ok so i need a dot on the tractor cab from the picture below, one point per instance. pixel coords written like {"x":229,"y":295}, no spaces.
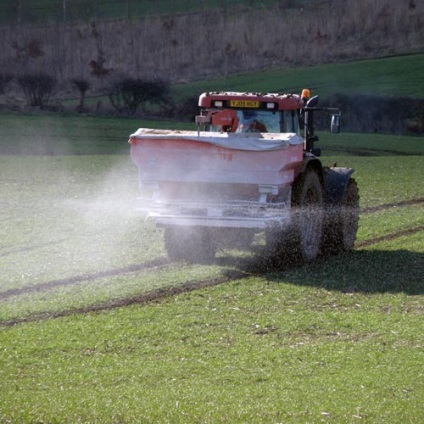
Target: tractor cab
{"x":250,"y":112}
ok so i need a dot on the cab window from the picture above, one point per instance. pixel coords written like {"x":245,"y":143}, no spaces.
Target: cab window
{"x":258,"y":121}
{"x":289,"y":121}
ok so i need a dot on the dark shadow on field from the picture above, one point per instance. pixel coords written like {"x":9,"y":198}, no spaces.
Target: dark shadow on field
{"x":366,"y":271}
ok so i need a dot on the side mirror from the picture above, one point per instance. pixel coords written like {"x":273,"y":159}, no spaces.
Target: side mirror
{"x":313,"y":101}
{"x":335,"y":124}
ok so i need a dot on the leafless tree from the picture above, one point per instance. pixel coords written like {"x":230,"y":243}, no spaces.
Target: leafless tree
{"x":82,"y":86}
{"x":37,"y":88}
{"x":5,"y":78}
{"x":129,"y":94}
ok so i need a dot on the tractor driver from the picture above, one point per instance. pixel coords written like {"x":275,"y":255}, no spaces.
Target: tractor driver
{"x":250,"y":123}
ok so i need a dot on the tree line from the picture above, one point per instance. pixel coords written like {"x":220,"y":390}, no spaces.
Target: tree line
{"x":132,"y":62}
{"x":152,"y":98}
{"x":127,"y":95}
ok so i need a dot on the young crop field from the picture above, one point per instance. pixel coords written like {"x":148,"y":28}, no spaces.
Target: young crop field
{"x":98,"y":326}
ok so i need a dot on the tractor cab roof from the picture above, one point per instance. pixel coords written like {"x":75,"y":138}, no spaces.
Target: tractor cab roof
{"x":237,"y":100}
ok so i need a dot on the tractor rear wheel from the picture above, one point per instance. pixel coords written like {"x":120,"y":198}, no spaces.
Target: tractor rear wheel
{"x":307,"y":204}
{"x":302,"y":241}
{"x":342,"y":222}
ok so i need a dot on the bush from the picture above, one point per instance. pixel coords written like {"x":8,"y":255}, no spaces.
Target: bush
{"x":4,"y":80}
{"x":365,"y":113}
{"x":188,"y":108}
{"x":82,"y":86}
{"x":129,"y":95}
{"x":37,"y":88}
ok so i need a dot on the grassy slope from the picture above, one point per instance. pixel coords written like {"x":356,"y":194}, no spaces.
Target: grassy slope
{"x":52,"y":10}
{"x":339,"y":340}
{"x":394,"y":76}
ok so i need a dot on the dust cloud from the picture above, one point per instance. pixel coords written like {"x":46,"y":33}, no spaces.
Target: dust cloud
{"x":65,"y":216}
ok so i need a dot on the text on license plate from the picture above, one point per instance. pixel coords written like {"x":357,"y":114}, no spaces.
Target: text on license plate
{"x":244,"y":103}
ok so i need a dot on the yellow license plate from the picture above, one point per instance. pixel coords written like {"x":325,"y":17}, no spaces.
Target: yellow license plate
{"x":244,"y":103}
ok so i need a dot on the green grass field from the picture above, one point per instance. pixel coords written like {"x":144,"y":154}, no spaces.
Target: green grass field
{"x":98,"y":326}
{"x":339,"y":340}
{"x":391,"y":76}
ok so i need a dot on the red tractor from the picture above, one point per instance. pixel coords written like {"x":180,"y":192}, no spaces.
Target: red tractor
{"x":251,"y":167}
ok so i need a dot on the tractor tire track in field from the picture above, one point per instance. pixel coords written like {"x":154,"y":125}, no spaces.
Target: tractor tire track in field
{"x":395,"y":235}
{"x":388,"y":237}
{"x":163,"y":262}
{"x":153,"y":264}
{"x":142,"y":299}
{"x":403,"y":203}
{"x":246,"y":270}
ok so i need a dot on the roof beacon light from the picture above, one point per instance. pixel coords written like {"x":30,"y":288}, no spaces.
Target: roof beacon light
{"x":306,"y":93}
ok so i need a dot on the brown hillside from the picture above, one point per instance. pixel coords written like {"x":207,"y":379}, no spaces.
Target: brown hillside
{"x":202,"y":45}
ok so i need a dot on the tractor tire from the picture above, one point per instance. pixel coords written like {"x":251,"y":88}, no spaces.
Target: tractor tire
{"x":342,"y":222}
{"x":302,"y":241}
{"x":189,"y":245}
{"x":307,"y":204}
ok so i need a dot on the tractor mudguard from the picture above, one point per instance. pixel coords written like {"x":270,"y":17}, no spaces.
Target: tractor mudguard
{"x":310,"y":161}
{"x":336,"y":180}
